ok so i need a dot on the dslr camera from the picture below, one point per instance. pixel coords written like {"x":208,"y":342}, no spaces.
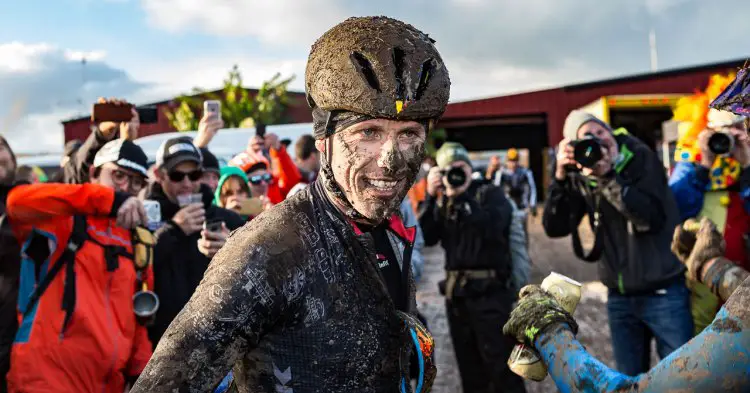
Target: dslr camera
{"x":721,"y":143}
{"x":587,"y":151}
{"x":455,"y":176}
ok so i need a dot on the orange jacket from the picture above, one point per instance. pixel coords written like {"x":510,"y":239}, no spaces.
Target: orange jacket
{"x":417,"y":193}
{"x":284,"y":171}
{"x":103,"y":342}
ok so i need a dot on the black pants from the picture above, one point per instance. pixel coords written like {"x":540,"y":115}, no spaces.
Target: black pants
{"x":482,"y":351}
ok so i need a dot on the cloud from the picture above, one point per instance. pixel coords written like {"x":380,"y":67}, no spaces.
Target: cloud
{"x":290,"y":22}
{"x":488,"y":44}
{"x":43,"y":84}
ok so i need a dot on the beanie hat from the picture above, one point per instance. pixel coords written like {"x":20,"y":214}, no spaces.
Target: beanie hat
{"x":512,"y":154}
{"x":451,"y":152}
{"x":578,"y":118}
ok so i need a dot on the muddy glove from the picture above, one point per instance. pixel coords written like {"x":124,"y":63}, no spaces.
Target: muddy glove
{"x":536,"y":312}
{"x":695,"y":250}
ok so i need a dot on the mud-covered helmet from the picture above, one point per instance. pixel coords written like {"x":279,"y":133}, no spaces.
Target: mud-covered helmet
{"x":380,"y":67}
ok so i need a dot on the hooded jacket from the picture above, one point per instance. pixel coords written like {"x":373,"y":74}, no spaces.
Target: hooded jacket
{"x":103,"y":343}
{"x":178,"y":265}
{"x":637,"y":216}
{"x":292,"y":303}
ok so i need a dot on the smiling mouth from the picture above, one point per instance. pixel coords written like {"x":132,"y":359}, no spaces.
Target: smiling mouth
{"x":381,"y":184}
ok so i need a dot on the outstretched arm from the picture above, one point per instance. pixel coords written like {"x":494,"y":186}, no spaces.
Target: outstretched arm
{"x":716,"y":360}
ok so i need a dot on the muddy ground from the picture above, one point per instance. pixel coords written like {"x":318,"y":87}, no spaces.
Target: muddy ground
{"x":547,"y":255}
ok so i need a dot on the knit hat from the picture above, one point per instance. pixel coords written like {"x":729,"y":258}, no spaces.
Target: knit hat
{"x":576,"y":119}
{"x":451,"y":152}
{"x":512,"y":154}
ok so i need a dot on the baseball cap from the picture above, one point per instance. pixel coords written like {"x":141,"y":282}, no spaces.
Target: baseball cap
{"x":175,"y":151}
{"x":210,"y":162}
{"x":125,"y":154}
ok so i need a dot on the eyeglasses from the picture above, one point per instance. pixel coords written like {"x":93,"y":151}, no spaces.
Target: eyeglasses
{"x":177,"y":176}
{"x":122,"y":178}
{"x":257,"y":179}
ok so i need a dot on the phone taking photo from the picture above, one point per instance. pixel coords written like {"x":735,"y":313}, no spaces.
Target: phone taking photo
{"x":213,"y":225}
{"x":212,"y":108}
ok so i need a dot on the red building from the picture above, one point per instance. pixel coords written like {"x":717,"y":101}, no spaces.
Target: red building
{"x":79,"y":128}
{"x":535,"y":120}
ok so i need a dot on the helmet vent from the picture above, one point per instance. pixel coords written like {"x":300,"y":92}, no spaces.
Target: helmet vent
{"x":365,"y":70}
{"x":398,"y":62}
{"x":424,"y":77}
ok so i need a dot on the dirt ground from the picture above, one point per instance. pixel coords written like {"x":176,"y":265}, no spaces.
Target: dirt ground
{"x":547,"y":255}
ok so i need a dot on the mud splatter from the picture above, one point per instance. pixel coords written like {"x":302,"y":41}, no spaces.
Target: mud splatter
{"x":726,"y":325}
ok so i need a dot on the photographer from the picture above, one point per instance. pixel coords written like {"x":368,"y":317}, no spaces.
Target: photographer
{"x":633,"y":213}
{"x":713,"y":181}
{"x":472,"y":221}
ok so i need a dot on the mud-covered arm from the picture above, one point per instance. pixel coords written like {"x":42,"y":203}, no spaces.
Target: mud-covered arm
{"x":238,"y":301}
{"x":717,"y":360}
{"x":640,"y":196}
{"x":723,"y":277}
{"x":563,"y":206}
{"x":688,"y":183}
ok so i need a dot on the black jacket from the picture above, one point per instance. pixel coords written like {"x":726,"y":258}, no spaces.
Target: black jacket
{"x":10,"y":263}
{"x":294,"y":302}
{"x":474,"y":228}
{"x":178,"y":265}
{"x":638,"y":215}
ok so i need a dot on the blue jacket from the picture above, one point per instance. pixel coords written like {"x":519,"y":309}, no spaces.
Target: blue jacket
{"x":689,"y":183}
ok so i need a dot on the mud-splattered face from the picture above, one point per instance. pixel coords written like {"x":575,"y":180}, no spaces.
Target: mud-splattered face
{"x":375,"y":163}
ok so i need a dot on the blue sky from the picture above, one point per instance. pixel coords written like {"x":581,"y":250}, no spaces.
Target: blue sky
{"x":149,"y":50}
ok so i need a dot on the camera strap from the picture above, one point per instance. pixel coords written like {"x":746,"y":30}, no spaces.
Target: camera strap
{"x":580,"y":184}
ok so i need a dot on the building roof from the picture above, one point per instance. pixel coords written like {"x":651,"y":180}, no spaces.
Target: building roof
{"x":164,"y":102}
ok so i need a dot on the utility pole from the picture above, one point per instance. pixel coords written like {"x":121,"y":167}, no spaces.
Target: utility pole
{"x":652,"y":47}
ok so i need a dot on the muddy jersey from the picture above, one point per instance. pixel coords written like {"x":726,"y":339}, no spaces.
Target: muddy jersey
{"x":292,"y":303}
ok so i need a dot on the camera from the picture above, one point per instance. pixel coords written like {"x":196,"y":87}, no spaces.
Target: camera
{"x":455,"y":177}
{"x":721,"y":143}
{"x":587,"y":151}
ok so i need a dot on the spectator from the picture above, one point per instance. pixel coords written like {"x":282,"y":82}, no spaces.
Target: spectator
{"x":85,"y":230}
{"x":518,"y":182}
{"x":262,"y":183}
{"x":233,"y":191}
{"x":704,"y":188}
{"x":417,"y":191}
{"x":70,"y":149}
{"x":637,"y":215}
{"x":472,"y":222}
{"x":211,"y":169}
{"x":10,"y":261}
{"x":307,"y":158}
{"x":278,"y":163}
{"x":410,"y":220}
{"x":183,"y":249}
{"x":76,"y":170}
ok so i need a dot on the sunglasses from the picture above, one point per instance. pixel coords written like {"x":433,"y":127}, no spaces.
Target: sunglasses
{"x":257,"y":179}
{"x":177,"y":176}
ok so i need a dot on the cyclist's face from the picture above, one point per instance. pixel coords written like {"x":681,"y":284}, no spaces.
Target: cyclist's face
{"x":375,"y":162}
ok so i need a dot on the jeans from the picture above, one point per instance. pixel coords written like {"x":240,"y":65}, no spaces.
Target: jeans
{"x":635,"y":319}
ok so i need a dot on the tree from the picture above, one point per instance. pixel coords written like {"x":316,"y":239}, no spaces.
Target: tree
{"x":238,"y":108}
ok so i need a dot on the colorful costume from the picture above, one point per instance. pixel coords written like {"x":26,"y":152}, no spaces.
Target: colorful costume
{"x":721,"y":193}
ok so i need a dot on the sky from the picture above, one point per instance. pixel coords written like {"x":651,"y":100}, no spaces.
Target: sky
{"x":152,"y":50}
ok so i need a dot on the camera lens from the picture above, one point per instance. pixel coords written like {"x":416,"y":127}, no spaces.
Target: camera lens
{"x":720,"y":143}
{"x":456,"y":177}
{"x":587,"y":151}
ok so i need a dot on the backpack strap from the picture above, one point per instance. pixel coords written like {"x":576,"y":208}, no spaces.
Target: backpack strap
{"x":78,"y":236}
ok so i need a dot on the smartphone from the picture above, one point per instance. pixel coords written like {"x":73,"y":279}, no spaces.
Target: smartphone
{"x":260,"y":130}
{"x":213,"y":225}
{"x":212,"y":107}
{"x":251,"y":207}
{"x":122,"y":113}
{"x":187,"y":199}
{"x":111,"y":112}
{"x":153,"y":212}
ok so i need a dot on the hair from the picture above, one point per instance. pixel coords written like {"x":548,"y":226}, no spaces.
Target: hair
{"x":243,"y":185}
{"x":4,"y":143}
{"x":304,"y":147}
{"x":25,"y":173}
